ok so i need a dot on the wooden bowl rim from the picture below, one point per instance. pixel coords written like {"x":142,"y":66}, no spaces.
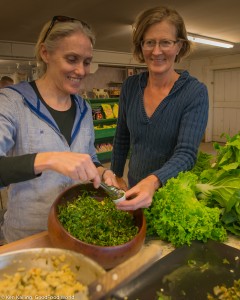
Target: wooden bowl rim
{"x":142,"y":228}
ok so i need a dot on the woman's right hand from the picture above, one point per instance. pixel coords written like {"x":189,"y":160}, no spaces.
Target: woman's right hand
{"x":140,"y":195}
{"x":77,"y":166}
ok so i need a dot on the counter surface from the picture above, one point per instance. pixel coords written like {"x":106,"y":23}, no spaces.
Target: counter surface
{"x":42,"y":240}
{"x":148,"y":254}
{"x":39,"y":240}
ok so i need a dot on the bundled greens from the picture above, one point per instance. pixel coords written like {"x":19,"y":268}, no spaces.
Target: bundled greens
{"x":176,"y":215}
{"x":219,"y":186}
{"x":228,"y":156}
{"x":203,"y":203}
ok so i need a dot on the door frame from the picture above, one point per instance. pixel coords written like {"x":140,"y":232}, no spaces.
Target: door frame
{"x":209,"y":71}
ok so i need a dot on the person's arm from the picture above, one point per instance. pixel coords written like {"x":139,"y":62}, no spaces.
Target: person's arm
{"x":191,"y":131}
{"x":78,"y":166}
{"x":121,"y":142}
{"x":16,"y":169}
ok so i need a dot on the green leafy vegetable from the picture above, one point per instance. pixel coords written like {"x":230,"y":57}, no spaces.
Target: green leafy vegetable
{"x":201,"y":204}
{"x":177,"y":216}
{"x":203,"y":162}
{"x":228,"y":156}
{"x":222,"y":187}
{"x":219,"y":186}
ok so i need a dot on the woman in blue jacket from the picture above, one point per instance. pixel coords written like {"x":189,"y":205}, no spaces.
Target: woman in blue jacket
{"x":46,"y":130}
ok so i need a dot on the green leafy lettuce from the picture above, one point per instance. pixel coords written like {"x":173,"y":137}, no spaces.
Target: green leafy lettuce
{"x":203,"y":162}
{"x":177,"y":216}
{"x":203,"y":203}
{"x":228,"y":156}
{"x":219,"y":186}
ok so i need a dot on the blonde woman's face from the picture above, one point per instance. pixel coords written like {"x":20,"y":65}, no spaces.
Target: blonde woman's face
{"x":160,"y":59}
{"x":70,"y":62}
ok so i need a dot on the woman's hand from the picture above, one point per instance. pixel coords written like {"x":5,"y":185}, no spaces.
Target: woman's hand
{"x":140,"y":196}
{"x":122,"y":183}
{"x":74,"y":165}
{"x":109,"y":177}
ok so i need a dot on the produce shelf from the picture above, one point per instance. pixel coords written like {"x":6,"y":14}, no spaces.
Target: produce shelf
{"x":105,"y":128}
{"x":98,"y":102}
{"x":104,"y":121}
{"x":104,"y":133}
{"x":104,"y":156}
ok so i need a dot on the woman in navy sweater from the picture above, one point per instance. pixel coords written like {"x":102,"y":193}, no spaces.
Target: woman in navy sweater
{"x":162,"y":113}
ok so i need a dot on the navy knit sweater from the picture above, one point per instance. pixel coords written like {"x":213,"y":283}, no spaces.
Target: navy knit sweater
{"x":167,"y":142}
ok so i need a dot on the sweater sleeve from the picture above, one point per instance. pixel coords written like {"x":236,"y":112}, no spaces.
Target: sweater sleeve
{"x":121,"y":142}
{"x":16,"y":169}
{"x":191,"y":131}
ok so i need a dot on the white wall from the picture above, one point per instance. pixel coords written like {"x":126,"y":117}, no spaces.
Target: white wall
{"x":203,"y":69}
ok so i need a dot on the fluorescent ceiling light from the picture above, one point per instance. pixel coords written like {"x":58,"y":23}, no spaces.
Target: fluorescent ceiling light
{"x":209,"y":41}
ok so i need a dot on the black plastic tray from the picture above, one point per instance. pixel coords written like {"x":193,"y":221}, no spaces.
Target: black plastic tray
{"x":188,"y":273}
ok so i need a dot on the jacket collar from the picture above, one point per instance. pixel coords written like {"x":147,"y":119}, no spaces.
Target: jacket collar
{"x":37,"y":107}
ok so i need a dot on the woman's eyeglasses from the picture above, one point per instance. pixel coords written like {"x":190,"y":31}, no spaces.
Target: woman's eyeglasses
{"x":163,"y":44}
{"x":62,"y":19}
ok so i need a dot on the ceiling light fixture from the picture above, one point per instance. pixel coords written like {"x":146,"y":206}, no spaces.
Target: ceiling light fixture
{"x":209,"y":41}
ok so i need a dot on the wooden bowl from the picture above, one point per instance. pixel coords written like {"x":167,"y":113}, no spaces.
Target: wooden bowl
{"x":107,"y":256}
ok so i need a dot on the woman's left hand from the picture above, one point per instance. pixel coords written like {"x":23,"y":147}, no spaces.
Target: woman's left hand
{"x":110,"y":178}
{"x":140,"y":196}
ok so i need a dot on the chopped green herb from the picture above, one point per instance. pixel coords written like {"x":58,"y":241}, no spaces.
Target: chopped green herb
{"x":97,"y":222}
{"x":225,"y":261}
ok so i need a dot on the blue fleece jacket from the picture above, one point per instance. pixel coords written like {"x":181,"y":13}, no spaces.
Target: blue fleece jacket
{"x":26,"y":126}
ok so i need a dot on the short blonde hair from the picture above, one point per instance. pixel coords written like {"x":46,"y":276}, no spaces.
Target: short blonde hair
{"x":156,"y":15}
{"x":58,"y":31}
